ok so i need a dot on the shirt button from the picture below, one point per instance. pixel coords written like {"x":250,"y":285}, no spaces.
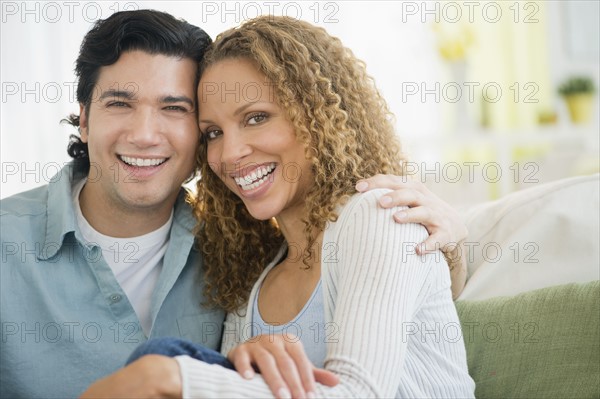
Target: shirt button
{"x":114,"y":298}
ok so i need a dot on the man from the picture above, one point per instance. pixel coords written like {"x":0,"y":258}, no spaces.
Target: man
{"x":103,"y":258}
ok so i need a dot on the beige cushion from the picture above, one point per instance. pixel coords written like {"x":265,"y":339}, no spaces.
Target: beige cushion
{"x":535,"y":238}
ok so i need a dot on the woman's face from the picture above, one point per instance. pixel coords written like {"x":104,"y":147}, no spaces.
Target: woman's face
{"x":252,"y":146}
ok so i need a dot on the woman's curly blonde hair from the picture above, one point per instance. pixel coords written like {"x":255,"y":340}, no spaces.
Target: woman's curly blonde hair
{"x":337,"y":113}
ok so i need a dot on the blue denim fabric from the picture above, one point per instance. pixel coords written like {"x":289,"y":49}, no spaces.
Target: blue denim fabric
{"x":66,"y":322}
{"x":176,"y":347}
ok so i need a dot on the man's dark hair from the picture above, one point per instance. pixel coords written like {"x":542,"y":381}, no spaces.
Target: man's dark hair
{"x":151,"y":31}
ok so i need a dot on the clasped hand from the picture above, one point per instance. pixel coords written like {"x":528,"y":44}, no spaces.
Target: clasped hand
{"x":283,"y":364}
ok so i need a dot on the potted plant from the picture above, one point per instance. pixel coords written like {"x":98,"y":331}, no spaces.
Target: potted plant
{"x":578,"y":93}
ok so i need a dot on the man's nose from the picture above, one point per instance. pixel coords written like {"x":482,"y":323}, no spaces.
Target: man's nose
{"x":146,"y":128}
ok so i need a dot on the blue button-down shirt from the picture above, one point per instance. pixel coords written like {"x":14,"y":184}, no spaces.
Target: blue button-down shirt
{"x":65,"y":320}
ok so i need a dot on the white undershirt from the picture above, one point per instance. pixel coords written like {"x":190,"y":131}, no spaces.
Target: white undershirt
{"x":135,"y":261}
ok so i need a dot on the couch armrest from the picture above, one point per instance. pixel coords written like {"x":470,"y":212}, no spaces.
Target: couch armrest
{"x":539,"y":237}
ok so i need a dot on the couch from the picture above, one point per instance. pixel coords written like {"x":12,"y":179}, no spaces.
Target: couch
{"x":531,"y":307}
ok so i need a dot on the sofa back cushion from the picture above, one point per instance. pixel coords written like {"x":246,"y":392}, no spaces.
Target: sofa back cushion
{"x":540,"y":344}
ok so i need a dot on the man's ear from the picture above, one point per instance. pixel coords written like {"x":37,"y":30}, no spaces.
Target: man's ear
{"x":83,"y":123}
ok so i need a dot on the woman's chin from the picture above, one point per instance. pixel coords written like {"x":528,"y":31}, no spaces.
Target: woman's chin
{"x":262,"y":213}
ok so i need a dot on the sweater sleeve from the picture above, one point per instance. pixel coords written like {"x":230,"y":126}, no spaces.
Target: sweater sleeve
{"x":375,"y":280}
{"x":379,"y":280}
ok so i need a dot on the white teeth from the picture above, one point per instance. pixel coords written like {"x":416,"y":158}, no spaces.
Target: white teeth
{"x":142,"y":162}
{"x":256,"y":178}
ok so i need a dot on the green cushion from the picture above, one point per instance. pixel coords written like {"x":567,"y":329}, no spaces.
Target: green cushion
{"x":539,"y":344}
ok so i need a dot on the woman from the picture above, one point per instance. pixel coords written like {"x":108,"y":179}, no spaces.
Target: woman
{"x":290,"y":121}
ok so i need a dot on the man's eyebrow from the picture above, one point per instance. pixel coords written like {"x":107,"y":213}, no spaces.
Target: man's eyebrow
{"x":125,"y":94}
{"x":129,"y":95}
{"x":177,"y":99}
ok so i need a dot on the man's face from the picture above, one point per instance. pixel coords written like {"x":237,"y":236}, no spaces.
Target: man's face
{"x":141,"y":131}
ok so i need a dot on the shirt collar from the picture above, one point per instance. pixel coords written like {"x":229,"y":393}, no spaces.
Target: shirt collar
{"x":60,"y":213}
{"x":183,"y":214}
{"x":61,"y":219}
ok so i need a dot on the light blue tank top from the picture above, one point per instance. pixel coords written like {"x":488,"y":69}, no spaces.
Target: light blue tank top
{"x":308,"y":325}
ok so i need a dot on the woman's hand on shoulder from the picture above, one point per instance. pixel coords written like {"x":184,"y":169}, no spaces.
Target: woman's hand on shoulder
{"x":283,"y":364}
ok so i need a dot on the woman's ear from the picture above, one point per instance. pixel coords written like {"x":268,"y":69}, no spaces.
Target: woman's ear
{"x":83,"y":123}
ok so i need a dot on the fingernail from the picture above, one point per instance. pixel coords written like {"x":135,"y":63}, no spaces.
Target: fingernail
{"x":401,"y":215}
{"x":311,"y":395}
{"x":385,"y":200}
{"x":362,"y":186}
{"x":284,"y":394}
{"x":248,"y":374}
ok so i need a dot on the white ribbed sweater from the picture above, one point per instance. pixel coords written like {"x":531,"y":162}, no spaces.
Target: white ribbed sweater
{"x":397,"y":333}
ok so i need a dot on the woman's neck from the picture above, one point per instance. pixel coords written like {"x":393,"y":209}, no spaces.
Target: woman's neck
{"x":292,"y":229}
